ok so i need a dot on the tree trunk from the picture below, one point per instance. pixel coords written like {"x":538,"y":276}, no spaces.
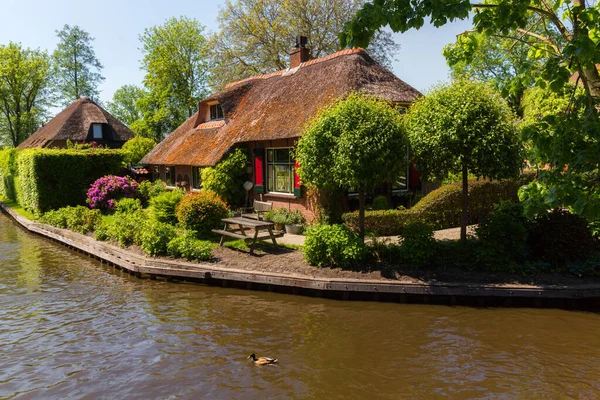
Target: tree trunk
{"x":465,"y":204}
{"x":361,"y":214}
{"x":589,"y":74}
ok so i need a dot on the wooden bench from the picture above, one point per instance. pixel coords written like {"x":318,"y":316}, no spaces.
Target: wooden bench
{"x":260,"y":207}
{"x":244,"y":224}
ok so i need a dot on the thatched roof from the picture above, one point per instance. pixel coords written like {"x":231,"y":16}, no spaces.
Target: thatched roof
{"x":277,"y":106}
{"x":73,"y":123}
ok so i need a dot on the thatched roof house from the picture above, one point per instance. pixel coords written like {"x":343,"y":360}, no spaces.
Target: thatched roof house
{"x":83,"y":121}
{"x":266,"y":114}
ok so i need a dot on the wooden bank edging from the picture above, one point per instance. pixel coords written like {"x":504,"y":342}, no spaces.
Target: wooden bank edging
{"x":584,"y":295}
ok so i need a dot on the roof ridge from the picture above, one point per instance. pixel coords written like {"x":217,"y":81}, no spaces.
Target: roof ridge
{"x":343,"y":52}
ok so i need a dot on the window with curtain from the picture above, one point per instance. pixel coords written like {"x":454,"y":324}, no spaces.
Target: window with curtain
{"x":170,"y":176}
{"x":280,"y":170}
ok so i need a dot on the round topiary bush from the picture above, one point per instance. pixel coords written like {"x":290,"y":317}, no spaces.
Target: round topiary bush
{"x":333,"y":246}
{"x":107,"y":190}
{"x":201,"y":212}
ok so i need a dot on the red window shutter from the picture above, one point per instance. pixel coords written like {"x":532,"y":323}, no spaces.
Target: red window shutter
{"x":297,"y":189}
{"x":259,"y":171}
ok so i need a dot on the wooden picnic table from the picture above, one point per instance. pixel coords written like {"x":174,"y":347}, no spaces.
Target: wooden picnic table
{"x":243,"y":224}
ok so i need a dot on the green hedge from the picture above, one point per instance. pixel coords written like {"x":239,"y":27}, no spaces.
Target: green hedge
{"x":443,"y":207}
{"x":47,"y":179}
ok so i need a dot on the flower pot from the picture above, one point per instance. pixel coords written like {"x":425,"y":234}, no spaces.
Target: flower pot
{"x":278,"y":227}
{"x":293,"y":229}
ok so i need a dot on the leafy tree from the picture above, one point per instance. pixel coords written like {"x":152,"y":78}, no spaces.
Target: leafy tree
{"x":76,"y":70}
{"x":23,"y":91}
{"x":257,"y":35}
{"x":176,"y":64}
{"x":137,"y":148}
{"x":227,"y":178}
{"x":124,"y":104}
{"x":358,"y":142}
{"x":464,"y":128}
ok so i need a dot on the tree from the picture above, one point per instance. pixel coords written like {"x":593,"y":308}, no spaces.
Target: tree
{"x":357,"y":142}
{"x":257,"y":35}
{"x":464,"y":128}
{"x":76,"y":70}
{"x":136,"y":148}
{"x":176,"y":64}
{"x":227,"y":178}
{"x":23,"y":91}
{"x":124,"y":104}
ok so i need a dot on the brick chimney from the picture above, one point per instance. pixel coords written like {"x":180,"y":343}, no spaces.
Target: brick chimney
{"x":300,"y":53}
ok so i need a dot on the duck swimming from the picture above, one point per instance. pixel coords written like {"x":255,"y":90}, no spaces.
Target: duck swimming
{"x":262,"y":360}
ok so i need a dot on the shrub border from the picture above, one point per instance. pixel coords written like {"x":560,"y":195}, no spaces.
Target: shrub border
{"x":584,"y":296}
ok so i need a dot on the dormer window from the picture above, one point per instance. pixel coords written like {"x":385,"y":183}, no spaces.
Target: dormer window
{"x":97,"y":131}
{"x":216,"y":112}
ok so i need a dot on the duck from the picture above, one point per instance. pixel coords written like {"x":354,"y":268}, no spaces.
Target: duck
{"x":262,"y":360}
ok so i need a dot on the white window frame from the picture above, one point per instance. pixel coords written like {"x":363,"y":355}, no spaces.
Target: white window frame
{"x":292,"y":170}
{"x":94,"y":131}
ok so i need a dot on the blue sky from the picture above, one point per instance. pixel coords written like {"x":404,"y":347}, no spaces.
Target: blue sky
{"x":116,"y":25}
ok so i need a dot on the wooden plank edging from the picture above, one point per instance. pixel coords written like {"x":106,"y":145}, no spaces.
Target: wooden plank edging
{"x":210,"y":273}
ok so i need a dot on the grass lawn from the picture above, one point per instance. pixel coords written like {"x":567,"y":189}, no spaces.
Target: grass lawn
{"x":242,"y":245}
{"x":17,"y":208}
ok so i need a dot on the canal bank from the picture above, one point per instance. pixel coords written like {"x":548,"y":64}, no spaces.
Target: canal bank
{"x":577,"y":296}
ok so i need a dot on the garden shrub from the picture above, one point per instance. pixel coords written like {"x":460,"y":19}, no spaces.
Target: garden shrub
{"x":105,"y":191}
{"x":189,"y":247}
{"x":502,"y":239}
{"x":128,"y":205}
{"x":136,"y":148}
{"x":79,"y":219}
{"x":285,"y":216}
{"x":227,"y":178}
{"x":126,"y":229}
{"x":163,"y":207}
{"x":147,"y":189}
{"x":559,"y":237}
{"x":8,"y":170}
{"x":379,"y":203}
{"x":418,"y":246}
{"x":49,"y":179}
{"x":156,"y":237}
{"x":201,"y":212}
{"x":442,"y":208}
{"x":333,"y":246}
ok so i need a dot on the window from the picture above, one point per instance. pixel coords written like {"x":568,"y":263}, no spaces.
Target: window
{"x":170,"y":176}
{"x":97,"y":131}
{"x":196,"y":178}
{"x":280,"y":170}
{"x":156,"y":173}
{"x":216,"y":112}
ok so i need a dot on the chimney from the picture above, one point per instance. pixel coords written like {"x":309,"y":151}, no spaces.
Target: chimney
{"x":300,"y":53}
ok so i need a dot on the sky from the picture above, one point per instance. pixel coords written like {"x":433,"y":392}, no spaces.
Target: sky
{"x":117,"y":24}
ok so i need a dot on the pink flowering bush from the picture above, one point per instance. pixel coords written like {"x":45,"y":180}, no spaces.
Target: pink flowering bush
{"x":107,"y":190}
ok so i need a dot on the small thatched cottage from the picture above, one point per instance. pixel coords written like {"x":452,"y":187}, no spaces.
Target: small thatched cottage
{"x":266,"y":114}
{"x":83,"y":121}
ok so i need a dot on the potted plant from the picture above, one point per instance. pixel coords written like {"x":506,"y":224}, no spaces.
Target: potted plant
{"x":293,"y":222}
{"x":278,"y":217}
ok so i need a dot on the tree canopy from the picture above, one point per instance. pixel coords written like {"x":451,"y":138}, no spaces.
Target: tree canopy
{"x":124,"y":104}
{"x":357,"y":142}
{"x":137,"y":148}
{"x":464,"y":128}
{"x":257,"y":35}
{"x":23,"y":91}
{"x":76,"y":70}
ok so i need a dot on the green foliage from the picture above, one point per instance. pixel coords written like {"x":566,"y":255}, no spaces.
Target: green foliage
{"x":201,"y":212}
{"x":294,"y":218}
{"x":560,"y":237}
{"x":379,"y":203}
{"x":227,"y":177}
{"x":79,"y":219}
{"x":124,"y":104}
{"x":76,"y":70}
{"x":128,"y":205}
{"x":124,"y":228}
{"x":333,"y":246}
{"x":163,"y":207}
{"x":187,"y":246}
{"x":503,"y":238}
{"x":51,"y":178}
{"x":8,"y":170}
{"x":442,"y":208}
{"x":418,"y":245}
{"x":176,"y":64}
{"x":136,"y":148}
{"x":285,"y":216}
{"x":256,"y":36}
{"x":148,"y":189}
{"x":24,"y":83}
{"x":156,"y":237}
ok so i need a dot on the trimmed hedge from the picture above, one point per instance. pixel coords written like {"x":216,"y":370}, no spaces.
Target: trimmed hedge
{"x":47,"y":179}
{"x":442,"y":208}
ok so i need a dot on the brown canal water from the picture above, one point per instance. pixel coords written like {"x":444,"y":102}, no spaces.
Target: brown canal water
{"x":74,"y":328}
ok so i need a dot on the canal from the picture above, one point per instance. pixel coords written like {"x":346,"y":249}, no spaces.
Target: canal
{"x":71,"y":327}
